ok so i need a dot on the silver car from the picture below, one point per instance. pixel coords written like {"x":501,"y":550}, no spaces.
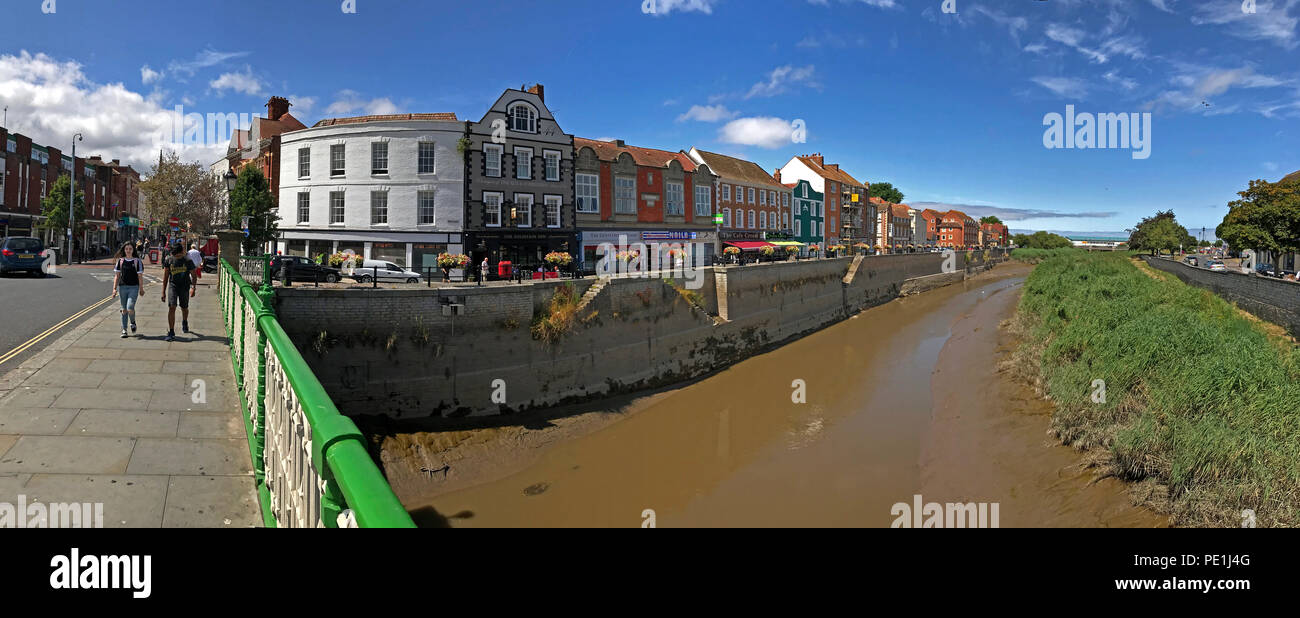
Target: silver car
{"x":370,"y":270}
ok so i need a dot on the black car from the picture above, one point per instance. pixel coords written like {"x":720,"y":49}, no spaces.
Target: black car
{"x":22,"y":253}
{"x":303,"y":269}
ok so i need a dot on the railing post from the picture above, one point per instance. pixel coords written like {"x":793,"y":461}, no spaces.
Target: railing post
{"x":267,"y":296}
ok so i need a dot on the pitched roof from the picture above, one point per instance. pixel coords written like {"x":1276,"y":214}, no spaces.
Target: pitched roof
{"x":1292,"y":177}
{"x":268,"y":128}
{"x":735,"y":169}
{"x":648,"y":157}
{"x":829,"y":173}
{"x":329,"y":122}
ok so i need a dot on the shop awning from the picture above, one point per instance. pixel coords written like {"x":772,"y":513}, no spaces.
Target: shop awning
{"x":749,"y":245}
{"x":786,"y":243}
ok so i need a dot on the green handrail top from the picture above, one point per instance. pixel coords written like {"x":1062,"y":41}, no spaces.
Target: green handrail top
{"x":337,"y":443}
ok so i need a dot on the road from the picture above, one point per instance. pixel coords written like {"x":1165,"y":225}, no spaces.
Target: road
{"x":32,"y":307}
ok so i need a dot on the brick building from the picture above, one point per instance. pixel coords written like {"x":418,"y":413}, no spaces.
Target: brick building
{"x":958,"y":231}
{"x":751,"y":202}
{"x":259,"y":145}
{"x":641,"y":195}
{"x":29,"y":170}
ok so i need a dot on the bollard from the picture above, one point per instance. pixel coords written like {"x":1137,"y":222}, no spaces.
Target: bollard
{"x":374,"y":279}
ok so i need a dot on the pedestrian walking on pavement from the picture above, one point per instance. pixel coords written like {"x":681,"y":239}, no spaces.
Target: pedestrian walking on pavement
{"x":177,"y":289}
{"x":128,"y":282}
{"x":195,"y":256}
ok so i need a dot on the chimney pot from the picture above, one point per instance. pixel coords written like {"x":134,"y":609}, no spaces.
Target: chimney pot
{"x":277,"y":107}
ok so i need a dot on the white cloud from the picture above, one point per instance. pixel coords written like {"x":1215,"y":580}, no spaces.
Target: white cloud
{"x":707,"y":113}
{"x":1163,"y":5}
{"x":1199,"y":84}
{"x":202,"y":60}
{"x":50,"y":99}
{"x":1068,"y":87}
{"x":665,"y":7}
{"x":149,"y":76}
{"x":1074,"y":38}
{"x":350,"y":102}
{"x":764,"y":132}
{"x":1269,"y":22}
{"x":242,"y":82}
{"x":1114,"y":77}
{"x":782,"y":79}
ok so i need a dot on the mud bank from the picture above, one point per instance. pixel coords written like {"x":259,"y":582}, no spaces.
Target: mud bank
{"x":901,"y":399}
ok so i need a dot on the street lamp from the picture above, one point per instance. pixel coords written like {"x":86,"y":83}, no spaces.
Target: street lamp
{"x":231,"y":179}
{"x":72,"y":194}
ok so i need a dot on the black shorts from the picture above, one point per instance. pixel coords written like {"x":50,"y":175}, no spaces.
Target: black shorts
{"x":178,"y":296}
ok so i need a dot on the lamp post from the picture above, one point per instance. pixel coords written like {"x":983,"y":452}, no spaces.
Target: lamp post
{"x":72,"y":195}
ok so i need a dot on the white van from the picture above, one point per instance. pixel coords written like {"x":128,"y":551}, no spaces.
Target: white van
{"x":384,"y":271}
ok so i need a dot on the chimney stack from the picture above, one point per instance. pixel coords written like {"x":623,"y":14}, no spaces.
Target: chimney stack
{"x":834,"y":166}
{"x":777,"y":175}
{"x":619,"y":143}
{"x":277,"y":107}
{"x":538,"y":90}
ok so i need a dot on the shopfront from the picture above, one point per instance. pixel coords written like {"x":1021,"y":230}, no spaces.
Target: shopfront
{"x":410,"y":250}
{"x":522,"y":249}
{"x":622,"y":240}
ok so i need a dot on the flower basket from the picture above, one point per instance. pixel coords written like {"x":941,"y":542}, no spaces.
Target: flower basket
{"x":768,"y":251}
{"x":731,"y":251}
{"x":791,"y":249}
{"x":558,"y":259}
{"x":452,"y":260}
{"x":627,"y":256}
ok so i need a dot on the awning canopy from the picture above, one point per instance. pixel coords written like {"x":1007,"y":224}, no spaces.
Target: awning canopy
{"x":749,"y":245}
{"x":786,"y":243}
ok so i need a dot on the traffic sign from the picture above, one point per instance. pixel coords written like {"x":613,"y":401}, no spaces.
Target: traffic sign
{"x":174,"y":221}
{"x":243,"y":222}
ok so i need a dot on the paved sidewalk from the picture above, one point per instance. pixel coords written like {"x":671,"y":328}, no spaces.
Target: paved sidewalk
{"x":97,"y":418}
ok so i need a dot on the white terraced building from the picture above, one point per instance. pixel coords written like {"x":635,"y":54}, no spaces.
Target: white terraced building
{"x":386,"y":187}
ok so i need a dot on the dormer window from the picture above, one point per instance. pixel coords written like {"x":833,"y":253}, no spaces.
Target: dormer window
{"x":523,"y":118}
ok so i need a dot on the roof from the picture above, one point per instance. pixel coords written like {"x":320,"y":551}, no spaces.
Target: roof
{"x":1292,"y":177}
{"x":647,"y":157}
{"x":735,"y":169}
{"x":829,"y":173}
{"x":268,"y":128}
{"x":329,"y":122}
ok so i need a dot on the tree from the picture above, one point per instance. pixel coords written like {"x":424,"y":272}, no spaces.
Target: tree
{"x":1160,"y":232}
{"x":252,"y":198}
{"x":1266,"y":218}
{"x":1042,"y":240}
{"x":991,"y":219}
{"x":1218,"y":243}
{"x":187,"y":191}
{"x":54,"y":207}
{"x":885,"y":191}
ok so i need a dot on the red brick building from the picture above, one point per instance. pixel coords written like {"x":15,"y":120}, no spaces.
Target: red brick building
{"x":29,"y":170}
{"x":260,"y":144}
{"x":640,"y":195}
{"x":958,"y":231}
{"x":994,"y":235}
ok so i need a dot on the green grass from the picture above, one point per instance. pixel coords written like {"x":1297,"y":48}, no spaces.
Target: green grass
{"x":1199,"y":401}
{"x":1034,"y":256}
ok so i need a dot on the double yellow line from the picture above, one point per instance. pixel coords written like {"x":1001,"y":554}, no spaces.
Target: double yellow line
{"x":51,"y":330}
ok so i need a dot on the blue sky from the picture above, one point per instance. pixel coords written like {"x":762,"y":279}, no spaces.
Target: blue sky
{"x":947,"y":107}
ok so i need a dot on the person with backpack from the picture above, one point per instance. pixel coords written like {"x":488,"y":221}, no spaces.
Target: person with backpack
{"x":177,"y":284}
{"x":128,"y":281}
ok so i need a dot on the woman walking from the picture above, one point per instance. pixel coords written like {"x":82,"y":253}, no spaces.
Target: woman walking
{"x":128,"y":281}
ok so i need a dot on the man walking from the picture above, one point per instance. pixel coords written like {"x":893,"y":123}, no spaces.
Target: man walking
{"x":197,"y":258}
{"x":177,"y":289}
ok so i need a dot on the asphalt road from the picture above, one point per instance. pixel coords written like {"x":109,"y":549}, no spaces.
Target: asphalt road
{"x":30,"y":306}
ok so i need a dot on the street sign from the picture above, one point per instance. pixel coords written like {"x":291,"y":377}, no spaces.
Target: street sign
{"x":243,"y":222}
{"x":717,"y":219}
{"x":174,"y":221}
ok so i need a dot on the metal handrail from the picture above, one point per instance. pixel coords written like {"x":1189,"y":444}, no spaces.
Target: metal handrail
{"x":338,"y":448}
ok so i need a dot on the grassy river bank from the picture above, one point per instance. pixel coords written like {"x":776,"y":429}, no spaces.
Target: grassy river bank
{"x":1165,"y":385}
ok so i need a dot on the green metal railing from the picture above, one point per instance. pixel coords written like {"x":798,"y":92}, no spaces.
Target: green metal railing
{"x":310,"y":462}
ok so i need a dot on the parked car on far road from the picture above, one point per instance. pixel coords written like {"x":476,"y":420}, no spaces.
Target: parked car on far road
{"x":370,"y":270}
{"x":303,"y":269}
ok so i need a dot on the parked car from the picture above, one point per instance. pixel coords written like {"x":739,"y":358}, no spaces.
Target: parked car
{"x":1216,"y":265}
{"x":384,"y":271}
{"x":22,"y":253}
{"x":303,"y":269}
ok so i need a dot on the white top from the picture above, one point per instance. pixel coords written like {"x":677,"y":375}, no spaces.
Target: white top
{"x":196,"y":257}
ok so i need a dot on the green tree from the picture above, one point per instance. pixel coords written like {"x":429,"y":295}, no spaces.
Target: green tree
{"x":1160,"y":232}
{"x":991,"y":219}
{"x":1043,"y":240}
{"x":54,"y":207}
{"x":1266,"y":218}
{"x":252,"y":198}
{"x":885,"y":191}
{"x":187,"y":191}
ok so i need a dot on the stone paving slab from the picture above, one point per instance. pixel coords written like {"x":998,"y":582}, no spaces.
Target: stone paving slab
{"x":97,"y":418}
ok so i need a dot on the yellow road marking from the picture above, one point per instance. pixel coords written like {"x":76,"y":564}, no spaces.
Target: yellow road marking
{"x":34,"y":340}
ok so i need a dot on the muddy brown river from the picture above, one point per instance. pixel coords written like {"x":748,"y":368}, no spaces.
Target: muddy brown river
{"x":902,"y":399}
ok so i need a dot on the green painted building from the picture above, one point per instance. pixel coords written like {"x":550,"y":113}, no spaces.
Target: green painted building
{"x":809,"y":216}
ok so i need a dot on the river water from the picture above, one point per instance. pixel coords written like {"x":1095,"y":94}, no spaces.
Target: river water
{"x":903,"y":399}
